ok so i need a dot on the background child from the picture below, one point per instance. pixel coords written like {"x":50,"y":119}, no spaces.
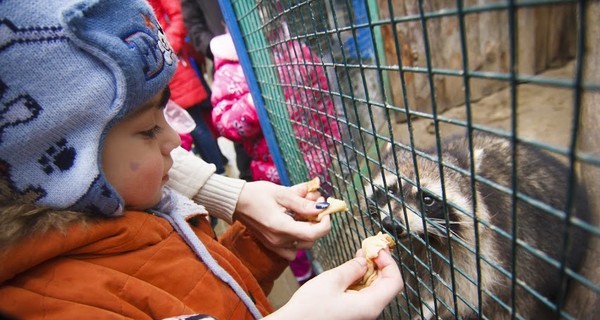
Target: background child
{"x":236,"y":118}
{"x":204,"y":21}
{"x":188,"y":88}
{"x":94,"y":232}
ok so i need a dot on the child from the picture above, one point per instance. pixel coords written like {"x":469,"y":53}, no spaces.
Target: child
{"x":94,"y":232}
{"x":236,"y":118}
{"x":188,"y":89}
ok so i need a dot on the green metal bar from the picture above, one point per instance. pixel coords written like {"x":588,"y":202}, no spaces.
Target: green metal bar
{"x":467,"y":88}
{"x":577,"y":101}
{"x":513,"y":65}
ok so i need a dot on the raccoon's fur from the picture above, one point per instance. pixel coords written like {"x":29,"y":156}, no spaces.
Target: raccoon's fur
{"x":437,"y":288}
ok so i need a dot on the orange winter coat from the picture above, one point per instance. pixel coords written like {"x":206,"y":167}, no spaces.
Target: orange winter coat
{"x":135,"y":266}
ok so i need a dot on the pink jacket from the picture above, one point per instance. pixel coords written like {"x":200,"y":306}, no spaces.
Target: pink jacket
{"x":310,"y":108}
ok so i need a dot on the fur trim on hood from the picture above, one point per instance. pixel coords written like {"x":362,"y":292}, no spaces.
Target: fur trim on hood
{"x":20,"y":220}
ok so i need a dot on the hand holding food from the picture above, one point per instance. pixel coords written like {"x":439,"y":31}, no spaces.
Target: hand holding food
{"x":326,"y":296}
{"x":370,"y":250}
{"x":335,"y":205}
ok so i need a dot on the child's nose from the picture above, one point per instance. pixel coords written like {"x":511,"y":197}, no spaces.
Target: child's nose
{"x":172,"y":140}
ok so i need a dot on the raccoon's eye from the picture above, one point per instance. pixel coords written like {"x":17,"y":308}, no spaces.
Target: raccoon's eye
{"x":428,"y":200}
{"x":393,"y":189}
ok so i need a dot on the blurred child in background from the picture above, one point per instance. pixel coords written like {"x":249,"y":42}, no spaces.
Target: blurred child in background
{"x":188,"y":88}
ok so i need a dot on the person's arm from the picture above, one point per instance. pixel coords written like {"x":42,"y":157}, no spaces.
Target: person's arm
{"x":259,"y":205}
{"x":196,"y":179}
{"x":198,"y":30}
{"x":326,"y":296}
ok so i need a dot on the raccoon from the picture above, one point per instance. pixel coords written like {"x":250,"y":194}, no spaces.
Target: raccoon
{"x":456,"y":236}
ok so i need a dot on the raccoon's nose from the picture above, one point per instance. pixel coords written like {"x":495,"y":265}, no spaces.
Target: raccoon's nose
{"x":392,"y":226}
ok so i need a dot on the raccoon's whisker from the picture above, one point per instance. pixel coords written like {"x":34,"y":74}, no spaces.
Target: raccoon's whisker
{"x":455,"y":235}
{"x":443,"y":222}
{"x":443,"y":232}
{"x":459,"y":222}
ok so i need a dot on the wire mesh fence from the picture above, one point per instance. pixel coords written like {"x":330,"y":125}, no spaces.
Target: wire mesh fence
{"x":467,"y":130}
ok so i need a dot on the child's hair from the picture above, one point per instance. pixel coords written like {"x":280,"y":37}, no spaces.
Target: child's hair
{"x":69,"y":70}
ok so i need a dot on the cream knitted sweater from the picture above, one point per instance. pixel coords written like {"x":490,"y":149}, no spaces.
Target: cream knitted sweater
{"x":196,"y":179}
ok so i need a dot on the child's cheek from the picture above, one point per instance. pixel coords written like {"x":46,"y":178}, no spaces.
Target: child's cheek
{"x":149,"y":172}
{"x":149,"y":182}
{"x":134,"y":166}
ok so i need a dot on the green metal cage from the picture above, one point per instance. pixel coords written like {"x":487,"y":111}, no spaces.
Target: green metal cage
{"x":407,"y":75}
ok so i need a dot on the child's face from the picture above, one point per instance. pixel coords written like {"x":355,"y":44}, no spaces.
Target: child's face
{"x":137,"y":154}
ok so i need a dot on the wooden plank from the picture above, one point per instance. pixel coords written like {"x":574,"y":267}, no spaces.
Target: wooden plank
{"x":544,"y":39}
{"x":562,"y":34}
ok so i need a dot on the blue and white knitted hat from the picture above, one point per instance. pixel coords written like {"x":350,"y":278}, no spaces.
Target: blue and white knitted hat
{"x":70,"y":69}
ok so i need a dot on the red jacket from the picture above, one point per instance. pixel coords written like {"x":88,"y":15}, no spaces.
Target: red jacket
{"x":186,"y":87}
{"x":132,"y":267}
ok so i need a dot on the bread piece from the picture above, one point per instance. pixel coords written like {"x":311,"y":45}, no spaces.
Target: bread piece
{"x":370,"y":250}
{"x":335,"y":206}
{"x":313,"y":185}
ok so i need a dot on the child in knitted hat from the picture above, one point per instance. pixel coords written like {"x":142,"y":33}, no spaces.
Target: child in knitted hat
{"x":85,"y":153}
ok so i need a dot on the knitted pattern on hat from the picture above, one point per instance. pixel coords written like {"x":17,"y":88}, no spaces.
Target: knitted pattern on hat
{"x":69,"y":70}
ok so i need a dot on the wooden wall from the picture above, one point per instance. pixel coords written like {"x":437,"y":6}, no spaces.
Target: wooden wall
{"x":546,"y":38}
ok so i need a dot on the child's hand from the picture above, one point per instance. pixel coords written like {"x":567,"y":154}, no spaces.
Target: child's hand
{"x":265,"y":208}
{"x":326,"y":296}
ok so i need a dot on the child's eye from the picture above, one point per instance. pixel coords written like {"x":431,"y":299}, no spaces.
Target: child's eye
{"x":151,"y":134}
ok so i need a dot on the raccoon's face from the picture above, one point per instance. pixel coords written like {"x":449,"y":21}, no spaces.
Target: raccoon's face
{"x":402,"y":207}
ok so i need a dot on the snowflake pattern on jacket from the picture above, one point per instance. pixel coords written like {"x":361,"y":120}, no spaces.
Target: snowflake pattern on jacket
{"x":310,"y":108}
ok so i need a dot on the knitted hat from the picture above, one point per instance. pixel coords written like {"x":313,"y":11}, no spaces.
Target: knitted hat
{"x":69,"y":70}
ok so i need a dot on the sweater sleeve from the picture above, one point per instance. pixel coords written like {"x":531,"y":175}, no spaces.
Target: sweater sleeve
{"x":196,"y":179}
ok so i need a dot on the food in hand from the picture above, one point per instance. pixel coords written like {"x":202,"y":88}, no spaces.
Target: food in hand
{"x":370,"y":250}
{"x":335,"y":205}
{"x":313,"y":185}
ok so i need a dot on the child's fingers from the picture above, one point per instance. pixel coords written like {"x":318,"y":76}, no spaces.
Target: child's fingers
{"x":351,"y":271}
{"x":388,"y":275}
